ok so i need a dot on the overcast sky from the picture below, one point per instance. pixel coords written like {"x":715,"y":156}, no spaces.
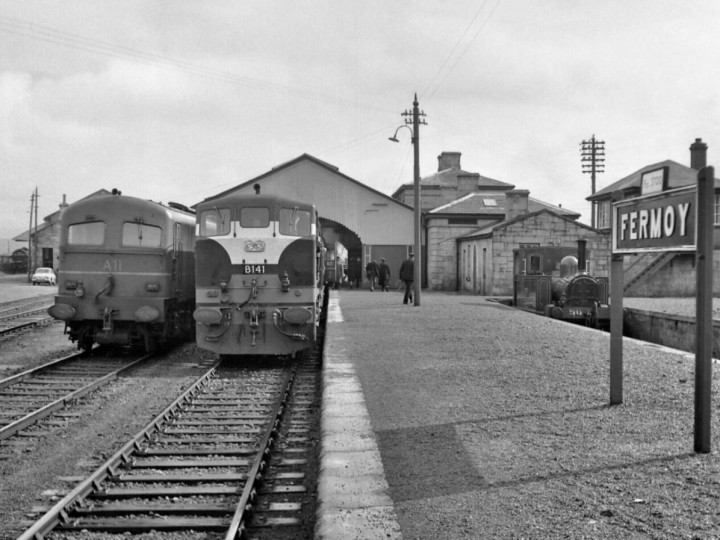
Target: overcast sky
{"x":181,"y":99}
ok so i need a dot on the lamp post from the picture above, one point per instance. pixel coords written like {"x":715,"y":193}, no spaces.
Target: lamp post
{"x":415,"y":134}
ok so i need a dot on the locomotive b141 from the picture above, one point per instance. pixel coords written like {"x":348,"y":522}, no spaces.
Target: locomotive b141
{"x":552,"y":281}
{"x":126,"y":272}
{"x":259,"y":275}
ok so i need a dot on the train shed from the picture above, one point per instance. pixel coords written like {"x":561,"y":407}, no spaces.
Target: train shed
{"x":363,"y":223}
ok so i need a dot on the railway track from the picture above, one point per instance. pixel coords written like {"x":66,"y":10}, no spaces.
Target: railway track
{"x":25,"y":313}
{"x":227,"y":458}
{"x":30,"y":396}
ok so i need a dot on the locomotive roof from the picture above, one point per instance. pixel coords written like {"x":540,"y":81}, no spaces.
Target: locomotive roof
{"x":240,"y":199}
{"x":106,"y":204}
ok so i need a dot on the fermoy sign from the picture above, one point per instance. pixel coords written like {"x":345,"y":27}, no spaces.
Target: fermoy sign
{"x":660,"y":222}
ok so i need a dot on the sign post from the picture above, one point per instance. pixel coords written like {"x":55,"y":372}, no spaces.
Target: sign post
{"x":703,"y":306}
{"x":674,"y":220}
{"x":616,"y":322}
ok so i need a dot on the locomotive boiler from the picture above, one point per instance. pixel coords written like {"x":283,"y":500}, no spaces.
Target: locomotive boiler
{"x":126,"y":272}
{"x":259,"y":275}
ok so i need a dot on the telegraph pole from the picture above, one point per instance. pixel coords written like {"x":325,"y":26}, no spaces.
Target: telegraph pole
{"x":29,"y":257}
{"x":593,"y":161}
{"x":416,"y":121}
{"x":416,"y":118}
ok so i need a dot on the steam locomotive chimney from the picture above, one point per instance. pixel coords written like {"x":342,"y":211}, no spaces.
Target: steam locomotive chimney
{"x":582,"y":245}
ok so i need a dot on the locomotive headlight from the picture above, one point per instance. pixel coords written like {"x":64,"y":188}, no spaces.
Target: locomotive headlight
{"x":297,"y":315}
{"x":63,"y":312}
{"x":223,"y":286}
{"x":208,"y":316}
{"x":152,"y":287}
{"x":146,"y":314}
{"x":80,"y":290}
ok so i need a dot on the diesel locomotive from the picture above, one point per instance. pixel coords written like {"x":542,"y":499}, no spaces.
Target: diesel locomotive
{"x":550,"y":280}
{"x":126,"y":272}
{"x":259,"y":277}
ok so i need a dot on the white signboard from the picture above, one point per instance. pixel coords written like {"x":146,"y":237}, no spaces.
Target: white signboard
{"x":654,"y":181}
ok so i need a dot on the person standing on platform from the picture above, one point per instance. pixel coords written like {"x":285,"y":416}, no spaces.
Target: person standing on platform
{"x":355,"y":272}
{"x":407,"y":275}
{"x":372,"y":273}
{"x":384,"y":275}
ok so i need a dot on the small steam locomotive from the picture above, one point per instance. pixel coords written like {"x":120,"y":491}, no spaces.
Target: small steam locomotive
{"x":550,"y":280}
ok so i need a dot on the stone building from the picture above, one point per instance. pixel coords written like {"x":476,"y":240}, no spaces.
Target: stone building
{"x":467,"y":211}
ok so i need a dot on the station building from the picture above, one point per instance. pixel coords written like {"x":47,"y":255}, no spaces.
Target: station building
{"x":43,"y":241}
{"x":472,"y":224}
{"x":664,"y":273}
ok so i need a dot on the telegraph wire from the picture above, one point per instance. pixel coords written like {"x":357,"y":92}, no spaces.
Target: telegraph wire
{"x":47,"y":34}
{"x":464,"y":51}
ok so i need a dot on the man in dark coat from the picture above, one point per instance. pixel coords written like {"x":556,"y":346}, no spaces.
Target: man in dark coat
{"x":384,"y":275}
{"x":407,"y":275}
{"x":372,"y":273}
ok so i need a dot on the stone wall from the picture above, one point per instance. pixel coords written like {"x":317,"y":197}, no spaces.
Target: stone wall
{"x":545,"y":229}
{"x":442,"y":255}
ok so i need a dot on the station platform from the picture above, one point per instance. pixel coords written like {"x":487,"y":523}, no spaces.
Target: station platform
{"x":466,"y":418}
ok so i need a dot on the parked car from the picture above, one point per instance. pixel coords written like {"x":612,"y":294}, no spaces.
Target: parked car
{"x":43,"y":275}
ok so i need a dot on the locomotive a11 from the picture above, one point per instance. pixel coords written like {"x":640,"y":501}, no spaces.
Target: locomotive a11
{"x":552,"y":281}
{"x":126,"y":272}
{"x":259,"y":275}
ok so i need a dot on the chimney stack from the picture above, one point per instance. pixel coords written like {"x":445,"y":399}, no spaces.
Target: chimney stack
{"x":698,"y":154}
{"x":449,"y":160}
{"x":516,"y":203}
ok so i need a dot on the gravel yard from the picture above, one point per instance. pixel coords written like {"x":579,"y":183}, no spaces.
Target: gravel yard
{"x":495,"y":423}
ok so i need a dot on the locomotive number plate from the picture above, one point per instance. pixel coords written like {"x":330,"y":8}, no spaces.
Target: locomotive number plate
{"x":253,"y":269}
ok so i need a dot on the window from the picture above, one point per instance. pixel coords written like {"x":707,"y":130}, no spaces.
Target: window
{"x":603,"y":215}
{"x":254,"y":217}
{"x":535,"y":265}
{"x":490,"y":202}
{"x":294,"y":222}
{"x":139,"y":234}
{"x":215,"y":222}
{"x":716,"y":221}
{"x":91,"y":233}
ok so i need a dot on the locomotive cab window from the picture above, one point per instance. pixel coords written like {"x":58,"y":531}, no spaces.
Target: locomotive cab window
{"x":139,"y":234}
{"x":294,"y":222}
{"x":254,"y":217}
{"x":535,"y":265}
{"x":91,"y":233}
{"x":215,"y":222}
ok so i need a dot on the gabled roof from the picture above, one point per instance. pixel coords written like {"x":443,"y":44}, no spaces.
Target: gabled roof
{"x":482,"y":203}
{"x":488,"y":231}
{"x":678,"y":176}
{"x":304,"y":157}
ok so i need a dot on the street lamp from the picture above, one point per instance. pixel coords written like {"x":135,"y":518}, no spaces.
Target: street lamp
{"x":415,"y":134}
